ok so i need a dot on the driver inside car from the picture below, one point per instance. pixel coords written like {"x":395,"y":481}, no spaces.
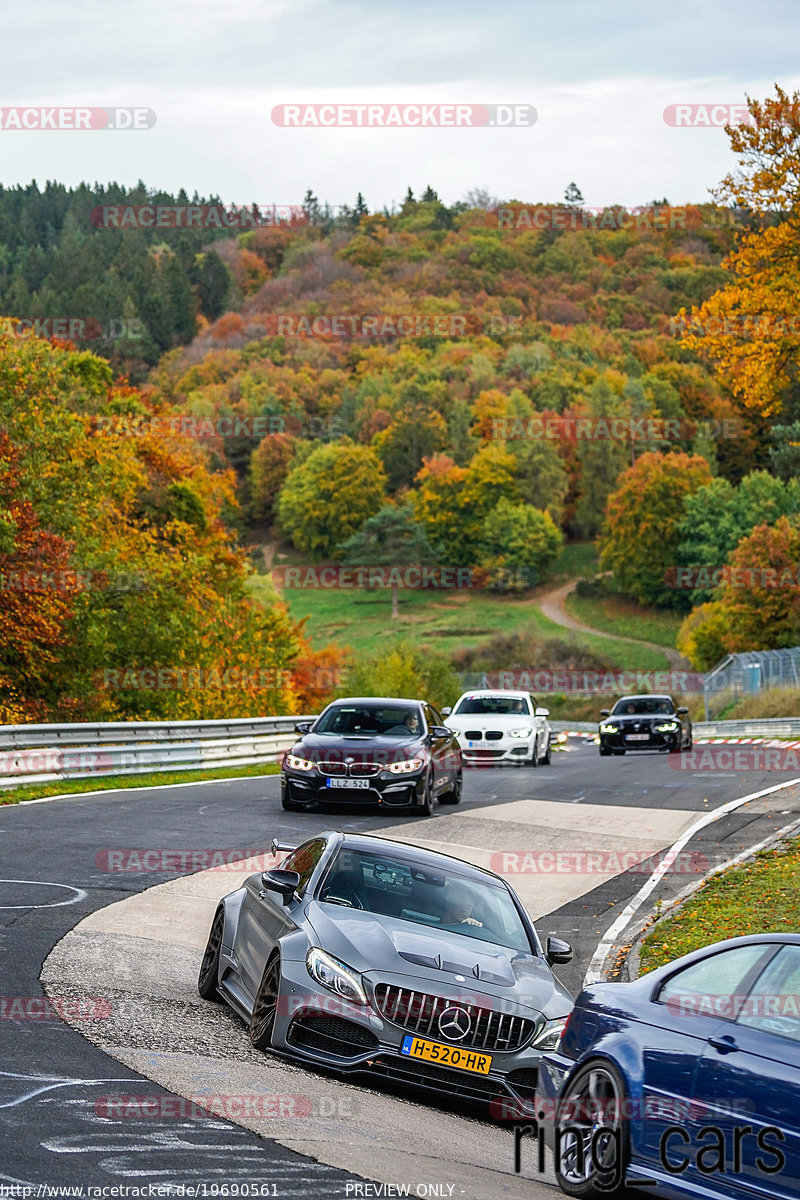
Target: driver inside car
{"x":411,"y":721}
{"x":458,"y":906}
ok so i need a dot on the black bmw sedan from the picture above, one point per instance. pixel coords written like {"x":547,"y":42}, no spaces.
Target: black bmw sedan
{"x":396,"y":754}
{"x":645,"y":723}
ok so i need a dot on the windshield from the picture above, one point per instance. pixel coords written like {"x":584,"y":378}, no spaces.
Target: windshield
{"x":367,"y":720}
{"x":397,"y":886}
{"x":492,"y":706}
{"x":643,"y":706}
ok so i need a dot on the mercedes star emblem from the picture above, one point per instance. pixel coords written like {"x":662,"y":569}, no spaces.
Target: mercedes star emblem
{"x":454,"y":1023}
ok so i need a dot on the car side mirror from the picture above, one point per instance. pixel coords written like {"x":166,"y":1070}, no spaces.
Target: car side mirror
{"x":285,"y":882}
{"x":440,"y":731}
{"x":446,"y":711}
{"x":557,"y":951}
{"x":683,"y":711}
{"x":605,"y":712}
{"x":541,"y":712}
{"x":302,"y":726}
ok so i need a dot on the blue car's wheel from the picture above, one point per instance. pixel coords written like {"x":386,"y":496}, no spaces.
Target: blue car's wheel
{"x":209,"y":968}
{"x":591,"y":1134}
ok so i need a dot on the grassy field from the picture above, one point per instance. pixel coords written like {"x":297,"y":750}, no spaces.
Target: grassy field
{"x":361,"y":620}
{"x":762,"y":896}
{"x":114,"y":782}
{"x":624,"y":617}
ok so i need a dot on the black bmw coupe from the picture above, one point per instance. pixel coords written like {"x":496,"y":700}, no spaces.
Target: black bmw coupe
{"x":645,"y":723}
{"x":396,"y":754}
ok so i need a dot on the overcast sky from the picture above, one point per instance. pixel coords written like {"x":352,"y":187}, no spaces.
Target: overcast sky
{"x":599,"y":75}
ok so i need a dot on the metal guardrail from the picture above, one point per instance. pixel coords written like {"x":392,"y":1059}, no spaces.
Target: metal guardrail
{"x":769,"y":727}
{"x":48,"y":753}
{"x":766,"y":727}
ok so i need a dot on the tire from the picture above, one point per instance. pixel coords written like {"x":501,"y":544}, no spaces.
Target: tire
{"x":549,"y":754}
{"x":209,"y":968}
{"x":265,"y":1007}
{"x":426,"y":810}
{"x":454,"y":795}
{"x":688,"y":745}
{"x":290,"y":805}
{"x":533,"y":761}
{"x":605,"y":752}
{"x":594,"y":1101}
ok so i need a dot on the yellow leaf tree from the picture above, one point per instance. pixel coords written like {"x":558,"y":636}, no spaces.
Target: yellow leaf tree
{"x":749,"y":328}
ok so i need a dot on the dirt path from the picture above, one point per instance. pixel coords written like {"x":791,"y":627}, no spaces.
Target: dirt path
{"x":553,"y":606}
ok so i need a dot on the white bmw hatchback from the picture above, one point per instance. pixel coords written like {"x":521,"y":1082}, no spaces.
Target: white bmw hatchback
{"x":500,"y":726}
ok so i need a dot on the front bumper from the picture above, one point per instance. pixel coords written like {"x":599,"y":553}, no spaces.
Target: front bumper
{"x":654,"y":741}
{"x":311,"y":788}
{"x":315,"y":1026}
{"x":497,"y":750}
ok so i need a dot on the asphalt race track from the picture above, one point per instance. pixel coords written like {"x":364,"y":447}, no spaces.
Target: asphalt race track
{"x":560,"y":831}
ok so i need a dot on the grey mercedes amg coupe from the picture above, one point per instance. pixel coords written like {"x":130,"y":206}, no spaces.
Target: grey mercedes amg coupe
{"x":366,"y":955}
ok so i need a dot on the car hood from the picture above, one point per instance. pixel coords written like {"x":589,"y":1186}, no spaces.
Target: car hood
{"x":491,"y":721}
{"x":389,"y":949}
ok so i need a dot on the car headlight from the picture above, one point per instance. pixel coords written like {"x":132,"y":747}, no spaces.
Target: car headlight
{"x":550,"y":1034}
{"x":667,"y":727}
{"x":335,"y":976}
{"x":520,"y":732}
{"x":298,"y":764}
{"x":606,"y":728}
{"x":406,"y":766}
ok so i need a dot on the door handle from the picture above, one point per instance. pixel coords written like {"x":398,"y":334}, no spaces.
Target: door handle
{"x":262,"y":895}
{"x":725,"y":1045}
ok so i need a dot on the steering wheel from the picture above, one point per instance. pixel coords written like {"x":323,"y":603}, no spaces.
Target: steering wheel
{"x":351,"y":901}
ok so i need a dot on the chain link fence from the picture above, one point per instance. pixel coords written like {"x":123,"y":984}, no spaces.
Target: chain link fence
{"x":748,"y":674}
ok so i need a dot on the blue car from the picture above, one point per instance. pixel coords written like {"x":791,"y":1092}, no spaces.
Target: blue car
{"x":685,"y":1082}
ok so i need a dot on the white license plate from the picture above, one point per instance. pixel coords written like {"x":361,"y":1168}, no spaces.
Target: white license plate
{"x":471,"y":744}
{"x":637,"y":737}
{"x":348,"y":783}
